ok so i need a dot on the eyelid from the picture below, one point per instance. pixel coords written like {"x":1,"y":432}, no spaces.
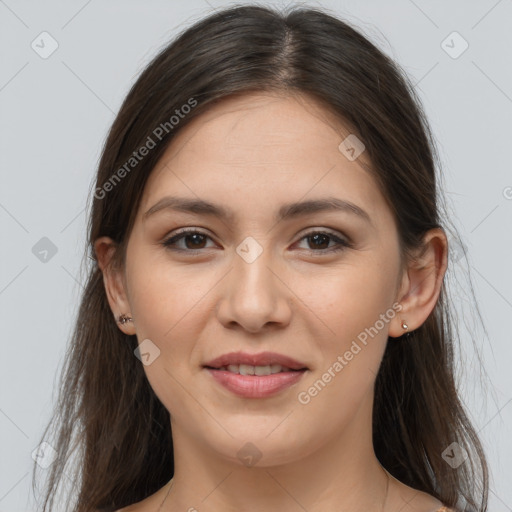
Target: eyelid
{"x":325,"y":230}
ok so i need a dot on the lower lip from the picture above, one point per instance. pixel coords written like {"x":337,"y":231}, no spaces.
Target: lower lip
{"x":256,"y":386}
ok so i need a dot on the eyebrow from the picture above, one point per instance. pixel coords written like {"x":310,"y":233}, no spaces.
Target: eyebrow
{"x":287,"y":211}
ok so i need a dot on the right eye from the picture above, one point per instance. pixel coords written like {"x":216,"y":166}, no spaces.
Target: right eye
{"x":197,"y":239}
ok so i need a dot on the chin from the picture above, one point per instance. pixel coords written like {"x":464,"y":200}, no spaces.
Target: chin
{"x":256,"y":448}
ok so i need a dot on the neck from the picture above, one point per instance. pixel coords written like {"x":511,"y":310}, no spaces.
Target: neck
{"x":341,"y":473}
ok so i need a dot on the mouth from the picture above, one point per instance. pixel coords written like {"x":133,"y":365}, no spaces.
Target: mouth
{"x":247,"y":369}
{"x":255,"y":375}
{"x":245,"y":363}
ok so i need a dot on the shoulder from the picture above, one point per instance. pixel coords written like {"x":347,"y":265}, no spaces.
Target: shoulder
{"x":408,"y":499}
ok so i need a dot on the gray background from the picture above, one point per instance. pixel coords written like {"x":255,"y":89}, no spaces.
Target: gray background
{"x":55,"y":113}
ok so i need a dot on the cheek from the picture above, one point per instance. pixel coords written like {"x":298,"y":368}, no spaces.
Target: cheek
{"x":349,"y":299}
{"x":165,"y":305}
{"x":359,"y":309}
{"x":350,"y":359}
{"x":166,"y":297}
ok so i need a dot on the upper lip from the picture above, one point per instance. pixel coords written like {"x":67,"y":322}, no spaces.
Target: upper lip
{"x":261,"y":359}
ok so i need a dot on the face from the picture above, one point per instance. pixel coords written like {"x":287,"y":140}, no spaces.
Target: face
{"x":315,"y":285}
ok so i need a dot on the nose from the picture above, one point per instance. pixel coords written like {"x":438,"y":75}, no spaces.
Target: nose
{"x":254,"y":296}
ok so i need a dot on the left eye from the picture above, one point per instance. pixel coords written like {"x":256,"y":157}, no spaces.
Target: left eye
{"x":320,"y":238}
{"x":197,"y":239}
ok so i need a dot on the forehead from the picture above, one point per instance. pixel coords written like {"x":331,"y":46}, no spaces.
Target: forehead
{"x":262,"y":148}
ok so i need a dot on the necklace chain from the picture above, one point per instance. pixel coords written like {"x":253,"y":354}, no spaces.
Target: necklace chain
{"x":382,"y":509}
{"x":162,"y":504}
{"x":387,"y":490}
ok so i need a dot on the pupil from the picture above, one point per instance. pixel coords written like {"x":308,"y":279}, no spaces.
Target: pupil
{"x":317,"y":236}
{"x":197,"y":238}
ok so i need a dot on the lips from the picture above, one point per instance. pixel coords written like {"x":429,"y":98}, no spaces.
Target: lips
{"x":261,"y":359}
{"x":255,"y":375}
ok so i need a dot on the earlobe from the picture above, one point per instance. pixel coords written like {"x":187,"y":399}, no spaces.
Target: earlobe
{"x":422,"y":283}
{"x":399,"y":326}
{"x":114,"y":284}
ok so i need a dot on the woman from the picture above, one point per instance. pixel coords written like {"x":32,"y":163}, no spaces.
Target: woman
{"x":265,"y":325}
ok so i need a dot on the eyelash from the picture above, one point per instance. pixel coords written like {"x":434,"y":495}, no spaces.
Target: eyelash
{"x":341,"y":243}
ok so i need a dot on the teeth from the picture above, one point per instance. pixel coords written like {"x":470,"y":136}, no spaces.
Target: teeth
{"x":262,"y":370}
{"x":247,"y":369}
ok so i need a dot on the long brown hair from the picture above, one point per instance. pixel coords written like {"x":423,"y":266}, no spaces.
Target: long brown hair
{"x":107,"y":413}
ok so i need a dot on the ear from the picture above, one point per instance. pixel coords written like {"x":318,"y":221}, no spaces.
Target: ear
{"x":421,"y":283}
{"x":113,"y":279}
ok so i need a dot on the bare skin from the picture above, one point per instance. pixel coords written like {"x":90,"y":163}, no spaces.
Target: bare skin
{"x":253,"y":154}
{"x":400,"y":498}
